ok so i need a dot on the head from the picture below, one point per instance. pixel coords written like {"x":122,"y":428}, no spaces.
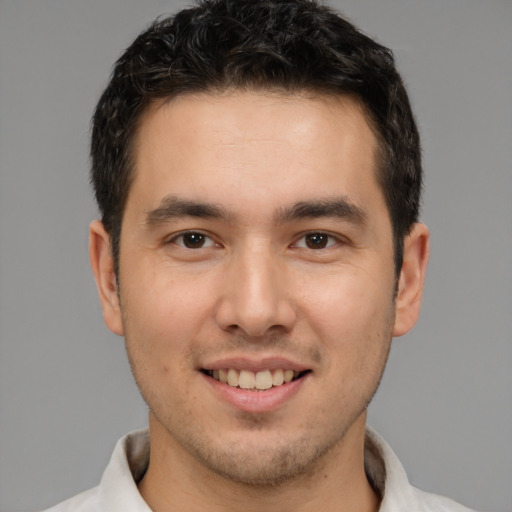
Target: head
{"x":257,"y":169}
{"x":291,"y":47}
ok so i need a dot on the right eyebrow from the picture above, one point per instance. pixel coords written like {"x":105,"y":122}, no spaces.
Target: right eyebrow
{"x":171,"y":207}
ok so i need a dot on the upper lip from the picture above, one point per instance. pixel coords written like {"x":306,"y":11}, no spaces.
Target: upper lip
{"x":255,"y":365}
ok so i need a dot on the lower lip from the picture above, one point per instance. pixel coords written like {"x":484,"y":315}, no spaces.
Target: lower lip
{"x":257,"y":401}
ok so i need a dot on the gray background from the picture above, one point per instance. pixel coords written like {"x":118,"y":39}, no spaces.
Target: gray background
{"x":66,"y":393}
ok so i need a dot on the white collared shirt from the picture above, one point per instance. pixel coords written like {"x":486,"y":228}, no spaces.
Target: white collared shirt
{"x":117,"y":491}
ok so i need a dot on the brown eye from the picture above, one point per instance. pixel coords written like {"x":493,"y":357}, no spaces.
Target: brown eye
{"x":316,"y":240}
{"x":193,"y":240}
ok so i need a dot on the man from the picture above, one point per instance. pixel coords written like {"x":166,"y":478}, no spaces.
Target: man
{"x":257,"y":167}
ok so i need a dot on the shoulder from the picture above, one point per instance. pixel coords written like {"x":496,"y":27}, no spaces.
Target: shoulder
{"x":388,"y":477}
{"x":86,"y":501}
{"x":117,"y":491}
{"x":435,"y":503}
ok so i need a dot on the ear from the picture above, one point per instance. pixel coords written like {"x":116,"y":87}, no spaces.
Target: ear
{"x":412,"y":278}
{"x":102,"y":263}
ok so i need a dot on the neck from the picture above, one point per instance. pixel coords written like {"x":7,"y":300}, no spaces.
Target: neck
{"x":337,"y":482}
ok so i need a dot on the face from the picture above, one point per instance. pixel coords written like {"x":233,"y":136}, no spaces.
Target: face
{"x":256,"y":279}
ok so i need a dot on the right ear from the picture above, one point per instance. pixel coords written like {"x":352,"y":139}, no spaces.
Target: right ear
{"x":102,"y":263}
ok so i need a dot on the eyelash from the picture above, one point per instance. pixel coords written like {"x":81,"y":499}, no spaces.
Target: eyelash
{"x":330,"y":240}
{"x":317,"y":238}
{"x":201,"y":237}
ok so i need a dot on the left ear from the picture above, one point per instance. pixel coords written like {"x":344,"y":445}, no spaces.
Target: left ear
{"x":412,"y":278}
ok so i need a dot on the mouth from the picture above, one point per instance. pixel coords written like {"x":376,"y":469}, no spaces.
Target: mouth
{"x":255,"y":381}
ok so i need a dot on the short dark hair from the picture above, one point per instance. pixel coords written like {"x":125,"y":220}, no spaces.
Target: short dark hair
{"x":291,"y":46}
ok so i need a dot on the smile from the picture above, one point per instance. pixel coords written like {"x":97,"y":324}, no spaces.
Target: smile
{"x":254,"y":381}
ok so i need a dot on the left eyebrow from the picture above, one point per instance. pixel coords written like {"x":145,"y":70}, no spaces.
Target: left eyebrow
{"x":338,"y":207}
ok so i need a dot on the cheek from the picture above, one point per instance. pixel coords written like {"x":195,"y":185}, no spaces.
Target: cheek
{"x":164,"y":294}
{"x":353,"y":320}
{"x":162,"y":316}
{"x":348,"y":306}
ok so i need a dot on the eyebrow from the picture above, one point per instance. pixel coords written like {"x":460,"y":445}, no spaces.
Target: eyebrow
{"x":172,"y":207}
{"x":337,"y":207}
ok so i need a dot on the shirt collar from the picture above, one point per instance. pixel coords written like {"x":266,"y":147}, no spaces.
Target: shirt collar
{"x":118,"y":488}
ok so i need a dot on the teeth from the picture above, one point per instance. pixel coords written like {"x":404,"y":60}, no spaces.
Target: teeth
{"x":264,"y":380}
{"x":233,"y":377}
{"x":278,"y":378}
{"x":246,"y":379}
{"x":288,"y":375}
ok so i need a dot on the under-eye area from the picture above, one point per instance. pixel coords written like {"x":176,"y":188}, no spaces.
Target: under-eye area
{"x":257,"y":381}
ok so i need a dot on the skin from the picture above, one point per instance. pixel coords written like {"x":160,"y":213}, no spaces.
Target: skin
{"x":256,"y":291}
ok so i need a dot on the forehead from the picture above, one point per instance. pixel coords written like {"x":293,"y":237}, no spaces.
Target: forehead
{"x":254,"y":142}
{"x":226,"y":112}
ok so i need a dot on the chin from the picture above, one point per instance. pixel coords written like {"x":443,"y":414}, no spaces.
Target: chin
{"x":267,"y":463}
{"x":271,"y":468}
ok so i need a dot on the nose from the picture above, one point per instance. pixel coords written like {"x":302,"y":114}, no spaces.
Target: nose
{"x":255,"y":298}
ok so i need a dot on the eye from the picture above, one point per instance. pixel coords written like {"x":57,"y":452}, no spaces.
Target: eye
{"x":316,"y":241}
{"x":193,"y":240}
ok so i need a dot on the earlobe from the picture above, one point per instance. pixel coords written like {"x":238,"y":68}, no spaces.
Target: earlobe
{"x":102,"y":263}
{"x":412,"y":278}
